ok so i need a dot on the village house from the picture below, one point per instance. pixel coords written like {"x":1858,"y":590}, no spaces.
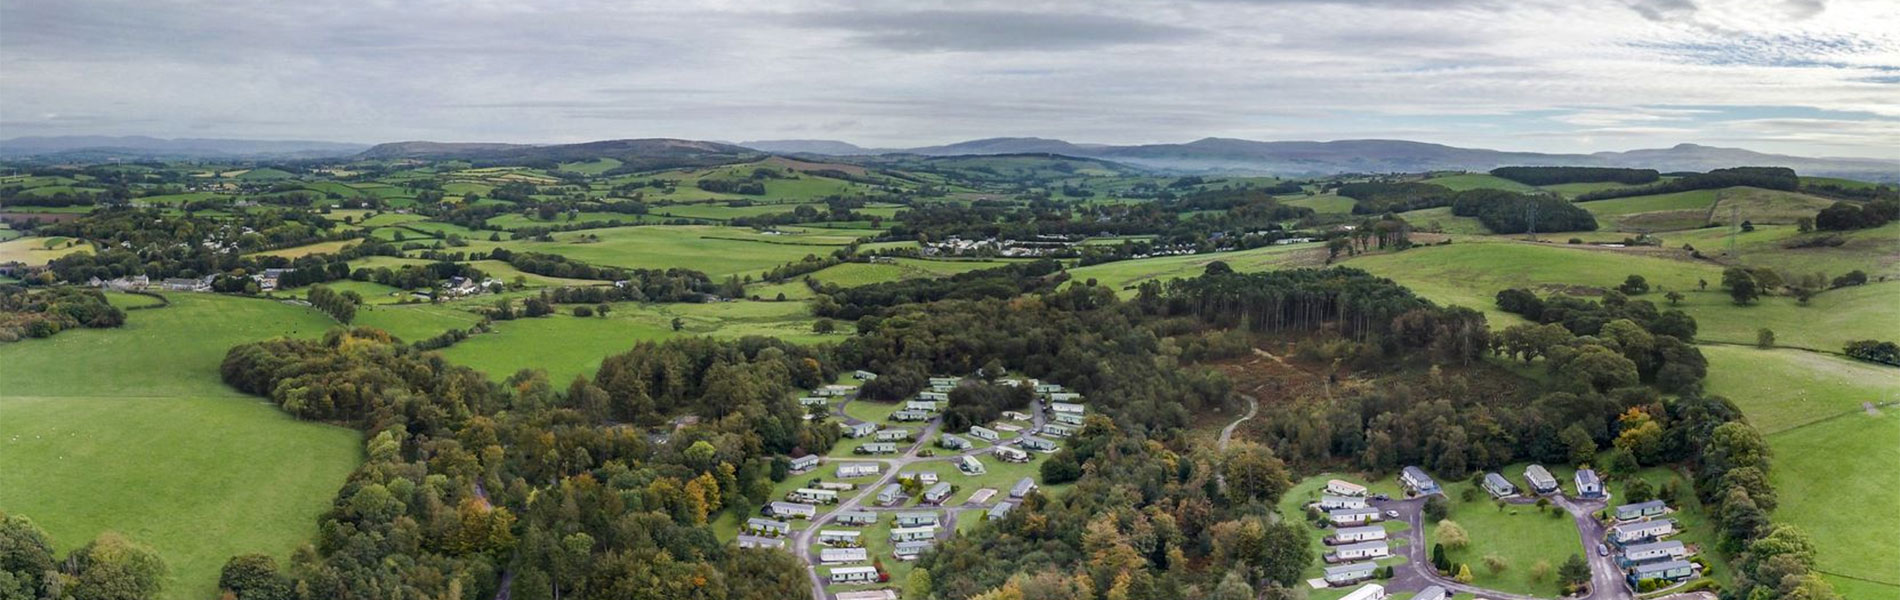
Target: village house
{"x":984,"y":433}
{"x":1008,"y":454}
{"x":1640,"y":510}
{"x":892,"y":435}
{"x":804,"y":463}
{"x":916,"y":519}
{"x":877,"y":448}
{"x":937,"y":494}
{"x":1588,"y":486}
{"x":970,"y":465}
{"x":1349,"y":535}
{"x":910,"y":550}
{"x":1641,"y":531}
{"x":1669,"y":570}
{"x":767,"y":526}
{"x":1361,"y":551}
{"x":859,"y":469}
{"x":953,"y":442}
{"x":1540,"y":479}
{"x":842,"y":537}
{"x":1350,"y":573}
{"x":813,"y":496}
{"x":1498,"y":486}
{"x":1373,"y":591}
{"x":1353,"y":516}
{"x":910,"y":415}
{"x":857,"y":517}
{"x":857,"y":429}
{"x":1022,"y":488}
{"x":854,"y":575}
{"x":1341,"y":487}
{"x":1642,"y":553}
{"x":1330,"y":502}
{"x":1417,"y":481}
{"x":1038,"y":444}
{"x":788,"y":510}
{"x":907,"y":534}
{"x":838,"y":556}
{"x":890,"y":494}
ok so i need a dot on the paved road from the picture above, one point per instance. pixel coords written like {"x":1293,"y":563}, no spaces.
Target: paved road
{"x":1606,"y":581}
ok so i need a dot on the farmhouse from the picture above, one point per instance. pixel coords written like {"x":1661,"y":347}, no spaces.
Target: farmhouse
{"x":937,"y":493}
{"x":1641,"y":531}
{"x":840,"y":536}
{"x":1008,"y":454}
{"x":767,"y":526}
{"x":1370,"y":591}
{"x":910,"y":550}
{"x":1350,"y":573}
{"x":1353,"y":516}
{"x":747,"y":541}
{"x":1669,"y":570}
{"x":1330,"y":502}
{"x":970,"y":465}
{"x":1432,"y":592}
{"x":1641,"y":509}
{"x":910,"y":415}
{"x":908,"y":534}
{"x":1541,"y":481}
{"x":892,"y":435}
{"x":859,"y":469}
{"x":804,"y":463}
{"x":1038,"y":444}
{"x":923,"y":405}
{"x":877,"y":448}
{"x":1347,"y":535}
{"x":1417,"y":481}
{"x":858,"y":429}
{"x":1588,"y":486}
{"x":864,"y":375}
{"x":1000,"y":510}
{"x":1362,"y":550}
{"x":857,"y":517}
{"x":1499,"y":486}
{"x":854,"y":574}
{"x":890,"y":494}
{"x":924,"y":477}
{"x":1022,"y":488}
{"x":953,"y":442}
{"x":1341,"y":487}
{"x":984,"y":433}
{"x":785,"y":510}
{"x":814,"y":496}
{"x":834,"y":556}
{"x":1640,"y":553}
{"x":915,"y":519}
{"x":982,"y":495}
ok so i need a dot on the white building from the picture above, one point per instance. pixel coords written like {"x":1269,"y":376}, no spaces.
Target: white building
{"x":1540,"y":479}
{"x":909,"y":534}
{"x":857,"y":517}
{"x":1347,"y":535}
{"x":970,"y":465}
{"x":836,"y":556}
{"x":953,"y":442}
{"x":916,"y":519}
{"x":1371,"y":591}
{"x":984,"y":433}
{"x":813,"y":496}
{"x":937,"y":494}
{"x":1642,"y":531}
{"x":1008,"y":454}
{"x":854,"y":574}
{"x":1363,"y":551}
{"x":1353,"y":516}
{"x":840,"y":536}
{"x":785,"y":510}
{"x":1341,"y":487}
{"x":1330,"y":502}
{"x":893,"y":435}
{"x":859,"y":469}
{"x":804,"y":463}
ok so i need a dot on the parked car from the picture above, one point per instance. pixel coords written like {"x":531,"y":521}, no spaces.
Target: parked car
{"x":1603,"y":550}
{"x":1391,"y":514}
{"x":1381,"y":497}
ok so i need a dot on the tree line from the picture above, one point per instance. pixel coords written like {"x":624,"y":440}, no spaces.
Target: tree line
{"x":1773,"y":178}
{"x":44,"y":312}
{"x":1541,"y":176}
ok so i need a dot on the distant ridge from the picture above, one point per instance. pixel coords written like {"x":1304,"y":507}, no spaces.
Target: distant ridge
{"x":634,"y":154}
{"x":143,"y":146}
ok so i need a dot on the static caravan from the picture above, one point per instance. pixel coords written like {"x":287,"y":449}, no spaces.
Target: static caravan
{"x":910,"y":415}
{"x":767,"y":526}
{"x":837,"y":556}
{"x":1330,"y":502}
{"x":970,"y":465}
{"x":1067,"y":407}
{"x":1060,"y":430}
{"x":1069,"y":397}
{"x":890,"y":494}
{"x":1363,"y":551}
{"x":1373,"y":591}
{"x":847,"y":537}
{"x":812,"y":401}
{"x":1365,"y":533}
{"x":877,"y":448}
{"x":1540,"y":479}
{"x":837,"y":486}
{"x":1000,"y":510}
{"x":813,"y":496}
{"x":1499,"y":486}
{"x":1068,"y":418}
{"x":933,"y":396}
{"x":916,"y":519}
{"x":1432,"y":592}
{"x":893,"y":435}
{"x":1641,"y":553}
{"x":1022,"y":488}
{"x":1641,"y":531}
{"x":1641,"y":509}
{"x":857,"y":517}
{"x":746,"y":541}
{"x":984,"y":433}
{"x":1417,"y":481}
{"x":864,"y":375}
{"x":1353,"y":516}
{"x":909,"y":534}
{"x":804,"y":463}
{"x":923,"y":405}
{"x":1008,"y":454}
{"x":1350,"y":573}
{"x":937,"y":494}
{"x":924,"y":477}
{"x":1341,"y":487}
{"x":859,"y":469}
{"x":1671,"y":570}
{"x":1038,"y":444}
{"x":793,"y":509}
{"x":854,"y":575}
{"x":857,"y":429}
{"x":909,"y":550}
{"x":953,"y":442}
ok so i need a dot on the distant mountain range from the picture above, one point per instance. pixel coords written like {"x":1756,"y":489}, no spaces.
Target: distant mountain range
{"x":1357,"y":156}
{"x":97,"y":147}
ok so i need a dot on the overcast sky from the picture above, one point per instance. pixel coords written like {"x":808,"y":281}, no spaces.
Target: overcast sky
{"x":1815,"y":77}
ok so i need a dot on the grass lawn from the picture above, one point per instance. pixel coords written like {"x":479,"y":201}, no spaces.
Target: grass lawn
{"x":1783,"y":389}
{"x":1122,"y":275}
{"x":1521,"y":534}
{"x":132,"y":430}
{"x":1849,"y":459}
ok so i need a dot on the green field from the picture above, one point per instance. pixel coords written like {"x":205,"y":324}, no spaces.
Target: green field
{"x":1121,"y":275}
{"x":331,"y":247}
{"x":1440,"y":220}
{"x":39,"y":250}
{"x":1845,"y":461}
{"x":1784,"y":389}
{"x":1519,"y":533}
{"x":1473,"y":181}
{"x":1662,"y":212}
{"x":592,"y":167}
{"x":717,"y":251}
{"x":413,"y":322}
{"x":1324,"y":204}
{"x":1471,"y":274}
{"x":131,"y":430}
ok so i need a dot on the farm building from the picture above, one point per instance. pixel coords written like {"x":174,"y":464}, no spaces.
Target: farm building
{"x":910,"y":415}
{"x":1541,"y":481}
{"x":1363,"y":550}
{"x":836,"y":556}
{"x":747,"y":541}
{"x":911,"y":550}
{"x":1341,"y":487}
{"x":793,"y":509}
{"x":1641,"y":509}
{"x":859,"y":469}
{"x":1008,"y":454}
{"x":854,"y":574}
{"x":857,"y":517}
{"x":1417,"y":481}
{"x":892,"y":435}
{"x":908,"y":534}
{"x":916,"y":519}
{"x":1641,"y":531}
{"x":1432,"y":592}
{"x":840,"y":536}
{"x":1022,"y":488}
{"x":923,"y":405}
{"x":877,"y":448}
{"x":1669,"y":570}
{"x":953,"y":442}
{"x":1330,"y":502}
{"x":924,"y":477}
{"x":1588,"y":486}
{"x":1640,"y":553}
{"x":1000,"y":510}
{"x":1038,"y":444}
{"x":1347,"y":535}
{"x":985,"y":433}
{"x":864,"y":375}
{"x":1350,"y":573}
{"x":857,"y":429}
{"x":804,"y":463}
{"x":813,"y":496}
{"x":970,"y":465}
{"x":1370,"y":591}
{"x":1499,"y":486}
{"x":767,"y":526}
{"x":937,"y":493}
{"x":1353,"y":516}
{"x":890,"y":494}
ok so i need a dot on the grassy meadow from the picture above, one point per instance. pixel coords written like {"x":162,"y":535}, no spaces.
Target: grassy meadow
{"x":1126,"y":274}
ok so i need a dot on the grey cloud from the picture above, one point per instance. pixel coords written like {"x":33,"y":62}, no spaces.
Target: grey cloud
{"x":993,"y":30}
{"x":1662,"y":10}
